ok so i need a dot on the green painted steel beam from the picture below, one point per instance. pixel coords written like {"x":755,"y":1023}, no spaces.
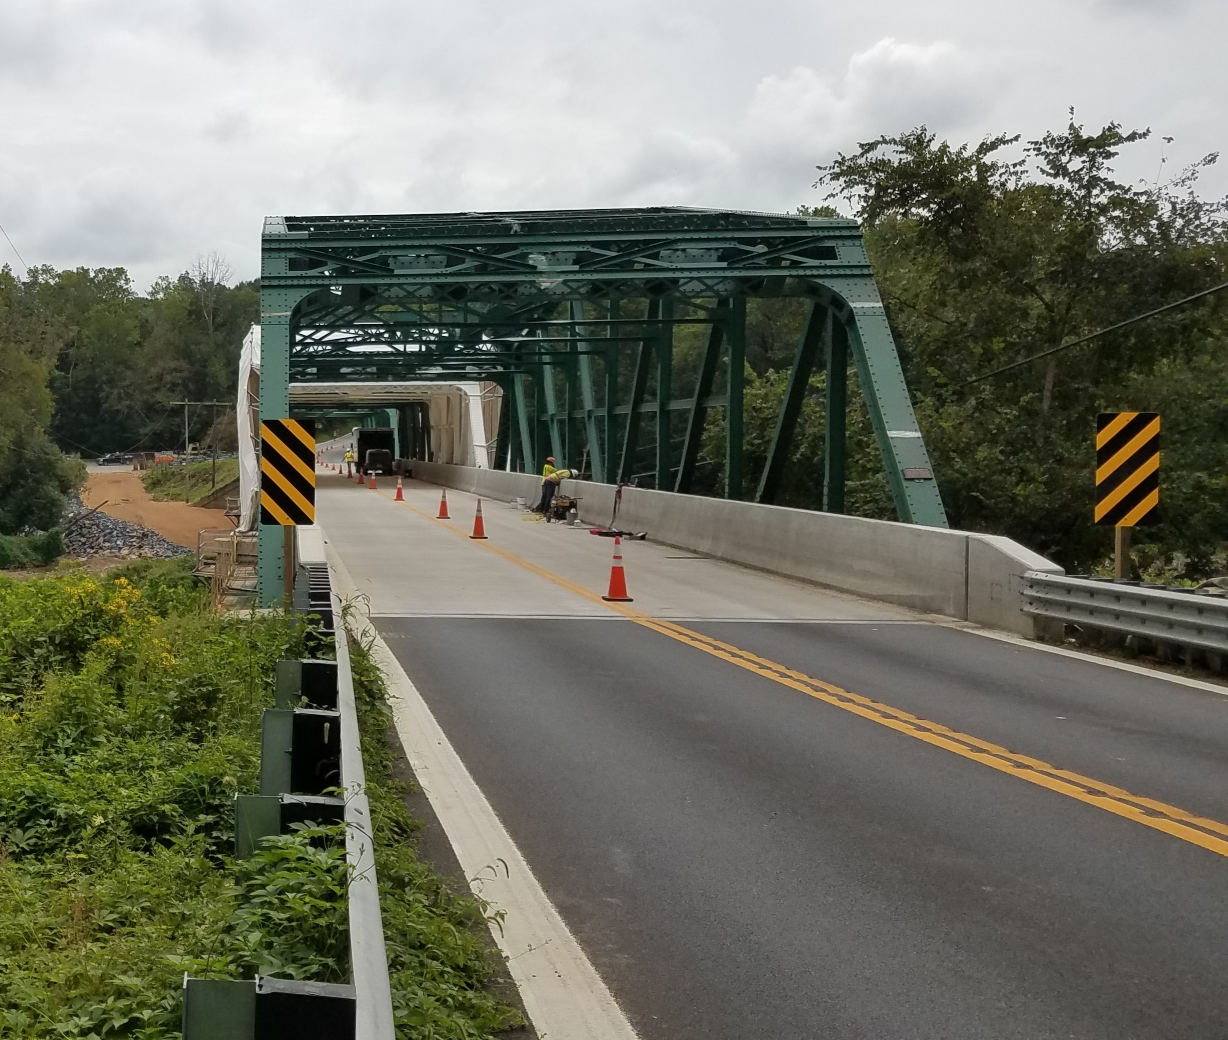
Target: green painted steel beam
{"x":588,"y":396}
{"x":735,"y":337}
{"x":700,"y":401}
{"x":530,"y":455}
{"x":665,"y":390}
{"x":610,"y":431}
{"x":835,"y":419}
{"x":815,"y":330}
{"x":643,"y":366}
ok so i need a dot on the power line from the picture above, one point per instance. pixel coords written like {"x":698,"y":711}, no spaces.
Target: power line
{"x":1095,"y":335}
{"x":14,"y":249}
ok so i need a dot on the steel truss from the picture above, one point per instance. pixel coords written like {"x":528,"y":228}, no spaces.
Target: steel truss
{"x":576,"y":314}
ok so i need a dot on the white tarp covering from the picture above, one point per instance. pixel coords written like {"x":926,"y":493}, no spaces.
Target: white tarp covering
{"x":247,"y":412}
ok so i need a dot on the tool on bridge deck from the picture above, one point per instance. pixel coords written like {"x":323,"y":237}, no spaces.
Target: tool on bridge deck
{"x":400,"y":496}
{"x":479,"y":528}
{"x":443,"y":505}
{"x":618,"y":580}
{"x":612,"y":531}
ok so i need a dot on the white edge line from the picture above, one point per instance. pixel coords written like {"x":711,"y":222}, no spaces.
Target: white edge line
{"x":1123,"y":666}
{"x":563,"y":994}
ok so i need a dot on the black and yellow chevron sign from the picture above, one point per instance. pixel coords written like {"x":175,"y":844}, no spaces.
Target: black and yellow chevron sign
{"x":287,"y":472}
{"x":1127,"y":468}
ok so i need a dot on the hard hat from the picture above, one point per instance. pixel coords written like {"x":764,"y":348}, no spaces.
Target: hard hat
{"x":549,"y":458}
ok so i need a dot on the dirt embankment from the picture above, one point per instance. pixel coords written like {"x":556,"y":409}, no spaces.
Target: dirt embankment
{"x":126,"y":499}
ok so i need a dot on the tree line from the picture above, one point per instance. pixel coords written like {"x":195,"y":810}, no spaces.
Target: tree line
{"x":90,"y":366}
{"x":987,"y":254}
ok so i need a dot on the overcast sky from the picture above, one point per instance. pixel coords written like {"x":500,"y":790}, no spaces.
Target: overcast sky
{"x":141,"y":133}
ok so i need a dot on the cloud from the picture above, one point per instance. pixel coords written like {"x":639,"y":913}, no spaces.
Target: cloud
{"x":798,"y":119}
{"x":142,"y":133}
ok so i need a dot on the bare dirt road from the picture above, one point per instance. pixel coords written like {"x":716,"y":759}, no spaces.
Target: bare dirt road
{"x":126,"y":499}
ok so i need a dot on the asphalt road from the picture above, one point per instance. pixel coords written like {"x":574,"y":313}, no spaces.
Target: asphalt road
{"x":740,"y":859}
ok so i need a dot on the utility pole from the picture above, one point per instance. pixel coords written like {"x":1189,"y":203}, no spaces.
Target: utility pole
{"x":187,"y":446}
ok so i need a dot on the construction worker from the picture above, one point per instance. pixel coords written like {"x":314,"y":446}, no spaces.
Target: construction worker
{"x":550,"y":485}
{"x":547,"y":472}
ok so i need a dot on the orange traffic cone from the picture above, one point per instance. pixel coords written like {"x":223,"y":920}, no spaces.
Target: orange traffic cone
{"x":443,"y":505}
{"x":400,"y":493}
{"x":479,"y":528}
{"x":349,"y":471}
{"x":371,"y":486}
{"x":618,"y":580}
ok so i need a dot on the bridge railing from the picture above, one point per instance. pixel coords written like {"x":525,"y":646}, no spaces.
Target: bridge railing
{"x":972,"y":577}
{"x":1165,"y":617}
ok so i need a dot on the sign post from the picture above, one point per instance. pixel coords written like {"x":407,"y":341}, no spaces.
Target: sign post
{"x":1127,"y":478}
{"x":287,"y":484}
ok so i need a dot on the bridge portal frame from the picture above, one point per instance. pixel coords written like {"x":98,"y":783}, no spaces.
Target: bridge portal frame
{"x":574,"y":314}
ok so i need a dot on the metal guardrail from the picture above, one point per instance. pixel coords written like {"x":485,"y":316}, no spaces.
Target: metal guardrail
{"x":1161,"y":615}
{"x":306,"y":752}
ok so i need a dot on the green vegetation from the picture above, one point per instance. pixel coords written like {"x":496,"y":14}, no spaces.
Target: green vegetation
{"x":986,"y":258}
{"x":91,"y":367}
{"x":30,"y":550}
{"x":166,"y":483}
{"x":35,"y":476}
{"x":439,"y":959}
{"x":987,"y":255}
{"x":129,"y":718}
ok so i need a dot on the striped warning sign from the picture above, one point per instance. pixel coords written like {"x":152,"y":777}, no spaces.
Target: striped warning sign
{"x":1127,"y":468}
{"x":287,"y":472}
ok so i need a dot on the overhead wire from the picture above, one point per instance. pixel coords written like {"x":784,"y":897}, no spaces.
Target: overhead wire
{"x":24,"y":265}
{"x":1097,"y":334}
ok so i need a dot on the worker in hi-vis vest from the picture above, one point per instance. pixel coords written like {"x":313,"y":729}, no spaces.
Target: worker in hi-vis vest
{"x":548,"y":468}
{"x":550,"y":485}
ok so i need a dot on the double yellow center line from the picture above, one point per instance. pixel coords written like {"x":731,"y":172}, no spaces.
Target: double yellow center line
{"x":1197,"y":830}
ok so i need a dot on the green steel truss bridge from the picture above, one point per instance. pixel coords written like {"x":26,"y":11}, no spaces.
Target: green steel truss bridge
{"x":616,"y":335}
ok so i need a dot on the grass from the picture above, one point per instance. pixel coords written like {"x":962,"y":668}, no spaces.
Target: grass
{"x":129,"y":719}
{"x":166,"y":483}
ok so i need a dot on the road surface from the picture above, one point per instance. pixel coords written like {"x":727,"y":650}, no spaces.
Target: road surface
{"x":767,"y":810}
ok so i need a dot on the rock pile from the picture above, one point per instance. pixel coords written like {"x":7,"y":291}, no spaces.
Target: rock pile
{"x":97,"y":534}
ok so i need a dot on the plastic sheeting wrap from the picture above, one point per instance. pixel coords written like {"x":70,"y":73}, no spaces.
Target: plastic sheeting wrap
{"x":247,"y":412}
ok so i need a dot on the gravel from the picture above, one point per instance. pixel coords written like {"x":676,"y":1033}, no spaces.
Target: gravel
{"x":97,"y":534}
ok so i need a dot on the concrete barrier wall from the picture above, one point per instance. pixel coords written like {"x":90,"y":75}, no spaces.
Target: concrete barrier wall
{"x":973,"y":577}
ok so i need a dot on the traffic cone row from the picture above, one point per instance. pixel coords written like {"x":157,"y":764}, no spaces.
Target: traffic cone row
{"x":479,"y":528}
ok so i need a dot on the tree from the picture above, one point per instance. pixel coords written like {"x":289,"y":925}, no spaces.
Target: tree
{"x":34,"y":475}
{"x":984,"y":260}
